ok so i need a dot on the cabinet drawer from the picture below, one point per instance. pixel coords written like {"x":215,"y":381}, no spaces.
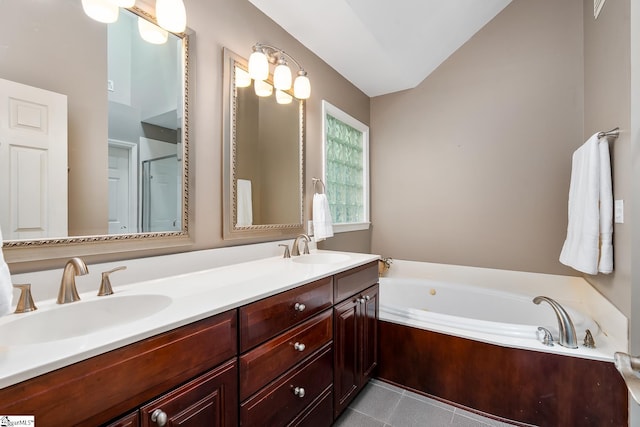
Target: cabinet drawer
{"x":355,"y":280}
{"x":318,"y":414}
{"x":266,"y":318}
{"x":278,"y":404}
{"x":274,"y":357}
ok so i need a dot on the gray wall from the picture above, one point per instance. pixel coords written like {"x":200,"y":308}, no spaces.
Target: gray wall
{"x":472,"y":167}
{"x":607,"y":104}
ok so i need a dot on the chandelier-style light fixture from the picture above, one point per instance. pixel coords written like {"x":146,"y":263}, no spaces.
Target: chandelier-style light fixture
{"x":263,"y":55}
{"x":171,"y":14}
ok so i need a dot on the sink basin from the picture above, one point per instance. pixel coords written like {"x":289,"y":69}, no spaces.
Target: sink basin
{"x":79,"y":318}
{"x":321,"y":258}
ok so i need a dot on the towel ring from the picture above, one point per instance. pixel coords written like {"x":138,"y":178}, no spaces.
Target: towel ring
{"x":612,"y":133}
{"x":317,"y":181}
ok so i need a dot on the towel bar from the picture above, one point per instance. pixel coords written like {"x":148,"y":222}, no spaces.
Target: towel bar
{"x":315,"y":182}
{"x":612,"y":133}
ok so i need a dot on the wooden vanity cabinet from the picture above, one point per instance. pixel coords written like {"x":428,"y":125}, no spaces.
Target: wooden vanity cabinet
{"x":355,"y":334}
{"x":96,"y":390}
{"x":286,"y":360}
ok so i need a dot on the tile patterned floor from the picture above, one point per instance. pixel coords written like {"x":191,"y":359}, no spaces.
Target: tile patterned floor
{"x":384,"y":405}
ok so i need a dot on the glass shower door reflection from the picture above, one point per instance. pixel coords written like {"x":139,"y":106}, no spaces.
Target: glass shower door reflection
{"x":161,"y":188}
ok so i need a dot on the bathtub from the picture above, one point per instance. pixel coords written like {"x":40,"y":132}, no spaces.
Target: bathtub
{"x":496,"y":306}
{"x":469,"y":336}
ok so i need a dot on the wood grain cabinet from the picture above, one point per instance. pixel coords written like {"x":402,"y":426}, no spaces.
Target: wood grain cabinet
{"x":355,"y":334}
{"x":96,"y":390}
{"x":296,"y":358}
{"x":208,"y":400}
{"x":286,"y":360}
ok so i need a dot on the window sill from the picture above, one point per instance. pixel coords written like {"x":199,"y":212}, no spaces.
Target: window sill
{"x":353,"y":226}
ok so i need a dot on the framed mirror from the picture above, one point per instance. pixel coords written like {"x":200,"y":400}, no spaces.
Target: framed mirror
{"x":94,"y":131}
{"x":263,"y":166}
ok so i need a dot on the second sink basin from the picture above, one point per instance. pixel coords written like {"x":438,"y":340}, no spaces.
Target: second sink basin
{"x":321,"y":258}
{"x":79,"y":318}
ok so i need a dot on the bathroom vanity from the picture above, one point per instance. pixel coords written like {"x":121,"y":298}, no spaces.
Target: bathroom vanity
{"x":292,"y":353}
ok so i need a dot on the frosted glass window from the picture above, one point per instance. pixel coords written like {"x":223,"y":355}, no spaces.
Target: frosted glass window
{"x":346,"y":167}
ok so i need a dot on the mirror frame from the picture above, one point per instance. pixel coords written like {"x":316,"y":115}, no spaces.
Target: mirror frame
{"x":229,"y":193}
{"x":43,"y":249}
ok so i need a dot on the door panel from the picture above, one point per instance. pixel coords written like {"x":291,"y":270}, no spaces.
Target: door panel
{"x":33,"y":162}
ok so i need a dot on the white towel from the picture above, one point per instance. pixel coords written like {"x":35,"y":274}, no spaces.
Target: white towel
{"x":322,"y":224}
{"x":244,"y":204}
{"x":6,"y":290}
{"x":588,"y":246}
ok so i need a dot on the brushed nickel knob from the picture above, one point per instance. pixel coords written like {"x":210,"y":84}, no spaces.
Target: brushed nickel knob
{"x":299,"y":307}
{"x":159,"y":417}
{"x":299,"y":346}
{"x":299,"y":391}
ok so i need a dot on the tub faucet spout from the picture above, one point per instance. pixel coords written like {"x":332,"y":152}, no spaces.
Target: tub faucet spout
{"x":566,"y":329}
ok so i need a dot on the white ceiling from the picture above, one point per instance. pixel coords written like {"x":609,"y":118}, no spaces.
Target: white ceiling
{"x":382,"y":46}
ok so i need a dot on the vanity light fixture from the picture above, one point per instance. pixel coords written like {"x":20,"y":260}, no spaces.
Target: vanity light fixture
{"x":262,"y":88}
{"x":242,"y":78}
{"x":151,"y":33}
{"x":283,"y":97}
{"x":263,"y":55}
{"x":170,"y":14}
{"x":125,"y":3}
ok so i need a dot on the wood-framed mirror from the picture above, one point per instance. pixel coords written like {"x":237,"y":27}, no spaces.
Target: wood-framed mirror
{"x":124,"y":132}
{"x":263,"y":158}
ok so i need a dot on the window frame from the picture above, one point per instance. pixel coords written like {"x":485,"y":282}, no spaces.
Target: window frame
{"x":338,"y":114}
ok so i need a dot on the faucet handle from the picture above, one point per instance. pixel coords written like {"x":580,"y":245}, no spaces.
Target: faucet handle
{"x":105,"y":284}
{"x":545,"y":336}
{"x":287,"y":254}
{"x":25,"y":302}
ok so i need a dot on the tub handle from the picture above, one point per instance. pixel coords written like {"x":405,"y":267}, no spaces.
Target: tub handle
{"x":545,"y":336}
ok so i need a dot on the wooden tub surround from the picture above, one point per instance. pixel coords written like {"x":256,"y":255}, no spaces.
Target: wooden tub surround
{"x":521,"y":385}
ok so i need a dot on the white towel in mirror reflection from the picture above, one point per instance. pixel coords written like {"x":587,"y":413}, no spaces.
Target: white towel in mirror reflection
{"x":244,"y":206}
{"x":6,"y":289}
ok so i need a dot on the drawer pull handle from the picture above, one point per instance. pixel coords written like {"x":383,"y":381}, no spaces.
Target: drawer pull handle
{"x":299,"y":307}
{"x":298,"y":391}
{"x":299,"y":346}
{"x":159,"y":417}
{"x":367,"y":297}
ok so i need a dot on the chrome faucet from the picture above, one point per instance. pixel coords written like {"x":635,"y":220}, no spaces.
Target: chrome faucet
{"x":68,"y":291}
{"x":566,"y":329}
{"x":295,"y":251}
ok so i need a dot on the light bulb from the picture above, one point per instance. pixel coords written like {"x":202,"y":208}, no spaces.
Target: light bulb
{"x":282,"y":76}
{"x":262,"y":88}
{"x":125,"y":3}
{"x":101,"y":10}
{"x":258,"y":66}
{"x":242,"y":78}
{"x":171,"y":15}
{"x":302,"y":86}
{"x":283,"y":97}
{"x":151,"y":33}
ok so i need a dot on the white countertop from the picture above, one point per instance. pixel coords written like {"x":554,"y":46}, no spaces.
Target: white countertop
{"x":194,"y":296}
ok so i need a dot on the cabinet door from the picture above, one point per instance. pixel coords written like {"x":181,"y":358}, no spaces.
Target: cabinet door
{"x":346,"y":352}
{"x":209,"y":400}
{"x":369,"y":319}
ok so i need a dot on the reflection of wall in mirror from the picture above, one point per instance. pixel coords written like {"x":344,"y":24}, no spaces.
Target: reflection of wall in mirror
{"x":43,"y":53}
{"x":267,"y":154}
